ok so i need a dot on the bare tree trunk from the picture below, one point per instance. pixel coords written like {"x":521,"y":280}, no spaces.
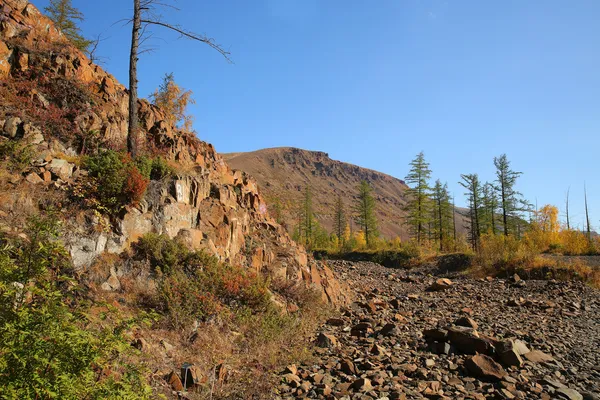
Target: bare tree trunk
{"x":132,"y":134}
{"x":568,"y":222}
{"x":454,"y":221}
{"x":587,"y":215}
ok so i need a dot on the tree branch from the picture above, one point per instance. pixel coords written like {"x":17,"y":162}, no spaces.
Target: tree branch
{"x":190,"y":35}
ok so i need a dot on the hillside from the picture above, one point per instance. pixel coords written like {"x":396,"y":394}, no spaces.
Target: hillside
{"x":283,"y":173}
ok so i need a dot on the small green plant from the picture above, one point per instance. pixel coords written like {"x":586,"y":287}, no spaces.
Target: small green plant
{"x":50,"y":348}
{"x":18,"y":156}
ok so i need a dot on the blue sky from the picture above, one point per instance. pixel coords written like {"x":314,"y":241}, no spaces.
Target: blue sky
{"x":375,"y":82}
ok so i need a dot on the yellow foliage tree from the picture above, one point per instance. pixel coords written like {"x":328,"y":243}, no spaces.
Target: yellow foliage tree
{"x":361,"y":241}
{"x":173,"y":101}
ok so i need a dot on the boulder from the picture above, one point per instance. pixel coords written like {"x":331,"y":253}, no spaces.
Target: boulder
{"x":485,"y":368}
{"x":466,"y":321}
{"x":468,"y":341}
{"x":61,"y":168}
{"x":12,"y":127}
{"x":538,"y":356}
{"x":509,"y":354}
{"x":441,"y":284}
{"x":326,"y":340}
{"x":570,"y":394}
{"x":362,"y":385}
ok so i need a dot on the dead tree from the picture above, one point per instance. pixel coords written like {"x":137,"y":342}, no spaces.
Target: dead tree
{"x":145,"y":14}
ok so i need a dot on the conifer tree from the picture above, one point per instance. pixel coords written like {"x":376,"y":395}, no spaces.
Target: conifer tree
{"x":443,"y":218}
{"x":489,"y":206}
{"x":364,"y":210}
{"x":307,"y":223}
{"x":418,"y":205}
{"x":339,"y":220}
{"x":511,"y":201}
{"x":471,"y":183}
{"x":66,"y":18}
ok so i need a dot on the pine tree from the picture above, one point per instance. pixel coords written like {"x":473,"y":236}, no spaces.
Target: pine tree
{"x":471,"y":183}
{"x":339,"y":220}
{"x":511,"y":201}
{"x":173,"y":101}
{"x":364,"y":210}
{"x":489,"y":207}
{"x":307,"y":218}
{"x":66,"y":17}
{"x":418,"y":205}
{"x":443,"y":217}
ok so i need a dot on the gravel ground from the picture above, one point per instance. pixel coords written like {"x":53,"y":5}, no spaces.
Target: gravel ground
{"x":471,"y":339}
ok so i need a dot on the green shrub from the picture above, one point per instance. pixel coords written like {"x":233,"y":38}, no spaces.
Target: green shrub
{"x":193,"y":285}
{"x":117,"y":181}
{"x":50,"y":350}
{"x":18,"y":156}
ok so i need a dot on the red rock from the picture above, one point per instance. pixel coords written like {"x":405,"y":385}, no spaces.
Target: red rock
{"x":484,"y":367}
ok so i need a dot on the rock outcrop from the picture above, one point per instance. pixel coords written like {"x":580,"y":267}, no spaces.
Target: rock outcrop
{"x":210,"y":206}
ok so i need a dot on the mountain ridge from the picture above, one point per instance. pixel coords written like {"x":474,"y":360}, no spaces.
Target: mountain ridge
{"x":282,"y":174}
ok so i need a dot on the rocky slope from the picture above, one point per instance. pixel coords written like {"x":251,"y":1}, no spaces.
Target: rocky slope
{"x":413,"y":335}
{"x":206,"y":203}
{"x":283,"y":173}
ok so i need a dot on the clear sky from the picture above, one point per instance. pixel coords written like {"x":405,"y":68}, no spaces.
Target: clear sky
{"x":375,"y":82}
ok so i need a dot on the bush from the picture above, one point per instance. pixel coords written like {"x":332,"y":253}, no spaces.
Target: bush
{"x":49,"y":349}
{"x":116,"y":181}
{"x":193,"y":285}
{"x":18,"y":156}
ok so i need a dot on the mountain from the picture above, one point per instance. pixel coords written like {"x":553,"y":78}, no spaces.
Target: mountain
{"x":283,"y":173}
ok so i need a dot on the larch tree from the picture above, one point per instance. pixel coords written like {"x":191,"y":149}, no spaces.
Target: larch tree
{"x":567,"y":210}
{"x":587,"y":215}
{"x":339,"y":220}
{"x":173,"y":101}
{"x":364,"y":210}
{"x":145,"y":15}
{"x":489,"y":205}
{"x":307,"y":227}
{"x":511,"y":202}
{"x":418,"y":205}
{"x":471,"y":183}
{"x":443,"y":217}
{"x":66,"y":18}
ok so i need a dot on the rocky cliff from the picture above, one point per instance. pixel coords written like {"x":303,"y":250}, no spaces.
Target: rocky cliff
{"x":205,"y":203}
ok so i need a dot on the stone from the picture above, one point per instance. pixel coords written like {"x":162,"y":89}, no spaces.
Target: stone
{"x":140,"y":344}
{"x":362,"y":385}
{"x":112,"y":284}
{"x":509,"y":354}
{"x":362,"y":329}
{"x":34,"y":178}
{"x":335,"y":322}
{"x":538,"y":356}
{"x":466,"y":321}
{"x":61,"y":168}
{"x":175,"y":381}
{"x":570,"y":394}
{"x":12,"y":127}
{"x":441,"y":284}
{"x":388,"y":330}
{"x":348,"y":367}
{"x":326,"y":340}
{"x":436,"y":334}
{"x":192,"y":375}
{"x":484,"y":367}
{"x":467,"y":340}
